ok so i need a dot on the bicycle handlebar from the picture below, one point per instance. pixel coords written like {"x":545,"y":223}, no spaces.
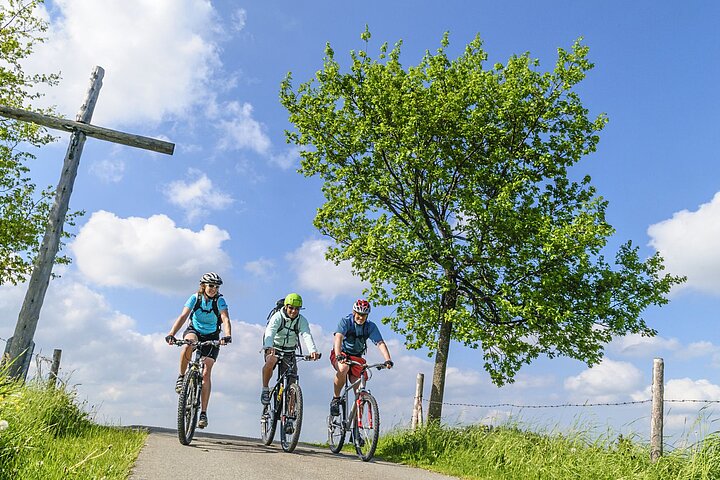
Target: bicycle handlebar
{"x":195,"y":343}
{"x":299,"y":356}
{"x":379,"y":366}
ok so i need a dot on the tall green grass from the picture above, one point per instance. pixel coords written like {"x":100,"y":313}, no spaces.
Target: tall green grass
{"x":45,"y":433}
{"x":509,"y":452}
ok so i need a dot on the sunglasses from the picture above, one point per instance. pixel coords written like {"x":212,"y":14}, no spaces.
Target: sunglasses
{"x":290,"y":307}
{"x":210,"y":285}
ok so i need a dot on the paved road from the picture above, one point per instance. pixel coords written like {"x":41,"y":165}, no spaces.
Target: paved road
{"x":215,"y":456}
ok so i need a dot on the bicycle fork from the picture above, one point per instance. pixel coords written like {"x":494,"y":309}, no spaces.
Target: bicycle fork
{"x":356,"y":412}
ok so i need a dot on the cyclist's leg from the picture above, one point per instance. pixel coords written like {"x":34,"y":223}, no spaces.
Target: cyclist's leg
{"x":341,"y":371}
{"x":210,"y":354}
{"x":267,"y":369}
{"x":207,"y":384}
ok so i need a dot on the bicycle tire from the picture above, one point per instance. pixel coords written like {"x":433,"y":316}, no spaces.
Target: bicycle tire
{"x":292,"y":420}
{"x":187,"y":412}
{"x":268,"y":419}
{"x":336,"y":430}
{"x":366,"y":427}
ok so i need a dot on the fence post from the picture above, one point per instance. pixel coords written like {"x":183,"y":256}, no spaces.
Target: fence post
{"x":54,"y":368}
{"x":656,"y":423}
{"x":417,"y":404}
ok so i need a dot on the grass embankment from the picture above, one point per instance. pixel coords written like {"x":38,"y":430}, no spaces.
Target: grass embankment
{"x":45,"y":434}
{"x":509,"y":453}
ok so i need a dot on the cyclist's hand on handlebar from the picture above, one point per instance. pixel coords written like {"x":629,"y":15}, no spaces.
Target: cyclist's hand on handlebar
{"x":314,"y":356}
{"x":170,"y":340}
{"x":225,"y":340}
{"x":342,"y":358}
{"x":389,"y":364}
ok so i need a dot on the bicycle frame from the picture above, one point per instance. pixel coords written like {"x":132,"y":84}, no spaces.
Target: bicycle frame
{"x":364,"y":434}
{"x":362,"y":388}
{"x":189,"y":402}
{"x":285,"y":405}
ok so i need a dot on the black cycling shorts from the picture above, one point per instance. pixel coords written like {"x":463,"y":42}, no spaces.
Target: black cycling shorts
{"x":210,"y":351}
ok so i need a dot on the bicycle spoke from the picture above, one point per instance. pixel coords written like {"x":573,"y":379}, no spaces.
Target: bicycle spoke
{"x":366,"y":431}
{"x":336,"y":430}
{"x":292,"y":418}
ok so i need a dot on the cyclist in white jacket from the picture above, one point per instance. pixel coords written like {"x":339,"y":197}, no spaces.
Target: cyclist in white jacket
{"x":281,"y":338}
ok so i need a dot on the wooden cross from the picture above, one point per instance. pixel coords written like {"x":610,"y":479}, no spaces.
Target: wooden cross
{"x":21,"y":345}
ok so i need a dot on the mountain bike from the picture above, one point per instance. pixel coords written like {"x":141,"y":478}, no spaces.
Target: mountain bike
{"x":189,"y":398}
{"x":286,"y":404}
{"x":361,"y":417}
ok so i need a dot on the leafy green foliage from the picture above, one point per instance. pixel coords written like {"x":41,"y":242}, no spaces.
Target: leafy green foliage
{"x":23,"y":210}
{"x":447,"y":188}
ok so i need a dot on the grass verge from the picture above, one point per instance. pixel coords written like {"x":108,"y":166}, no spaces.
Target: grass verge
{"x":46,"y":434}
{"x":479,"y":452}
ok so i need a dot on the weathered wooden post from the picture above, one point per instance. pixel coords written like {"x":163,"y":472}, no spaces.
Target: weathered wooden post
{"x":54,"y":368}
{"x":40,"y":277}
{"x":417,"y":419}
{"x":658,"y":400}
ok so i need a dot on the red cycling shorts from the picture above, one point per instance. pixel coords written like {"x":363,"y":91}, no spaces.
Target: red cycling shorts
{"x":355,"y":370}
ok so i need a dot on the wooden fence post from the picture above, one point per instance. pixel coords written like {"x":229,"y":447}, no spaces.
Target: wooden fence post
{"x":54,"y":368}
{"x":656,"y":422}
{"x":417,"y":404}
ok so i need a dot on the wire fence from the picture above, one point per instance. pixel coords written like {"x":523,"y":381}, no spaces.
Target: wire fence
{"x":39,"y":359}
{"x":563,"y":405}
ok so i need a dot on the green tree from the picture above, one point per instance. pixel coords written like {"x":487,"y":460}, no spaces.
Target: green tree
{"x":23,"y":209}
{"x":447,"y":188}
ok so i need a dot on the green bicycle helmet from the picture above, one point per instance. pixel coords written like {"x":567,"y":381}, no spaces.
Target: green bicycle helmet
{"x":294,"y":300}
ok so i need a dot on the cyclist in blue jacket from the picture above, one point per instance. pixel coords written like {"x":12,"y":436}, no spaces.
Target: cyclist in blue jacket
{"x":207,"y":311}
{"x":350,"y":343}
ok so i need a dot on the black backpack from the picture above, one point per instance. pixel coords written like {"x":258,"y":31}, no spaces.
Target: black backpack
{"x":352,"y":335}
{"x":278,"y":306}
{"x":214,"y":308}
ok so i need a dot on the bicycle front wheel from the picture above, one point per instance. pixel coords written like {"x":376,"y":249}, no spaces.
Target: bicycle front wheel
{"x":188,"y":405}
{"x":292,"y":418}
{"x":268,"y":421}
{"x":366,"y":428}
{"x":336,"y":430}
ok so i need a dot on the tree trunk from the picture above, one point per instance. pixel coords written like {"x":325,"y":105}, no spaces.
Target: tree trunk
{"x":438,"y":382}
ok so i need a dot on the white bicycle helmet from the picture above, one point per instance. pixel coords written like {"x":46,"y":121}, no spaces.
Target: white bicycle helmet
{"x":211,"y":278}
{"x":362,"y":307}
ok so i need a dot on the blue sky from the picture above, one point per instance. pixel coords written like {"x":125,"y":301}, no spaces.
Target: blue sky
{"x":206,"y":75}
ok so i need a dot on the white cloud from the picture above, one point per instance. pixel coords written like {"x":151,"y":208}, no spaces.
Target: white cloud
{"x":147,"y":252}
{"x":239,"y":17}
{"x":688,"y":243}
{"x":261,"y":267}
{"x":605,"y":382}
{"x":241,"y":130}
{"x":159,"y":56}
{"x":198,"y":196}
{"x":684,"y":389}
{"x":697,"y":350}
{"x":286,"y":160}
{"x":316,"y":273}
{"x":108,"y":170}
{"x":635,"y":345}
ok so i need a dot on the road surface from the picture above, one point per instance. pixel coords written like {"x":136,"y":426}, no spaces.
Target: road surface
{"x":215,"y":456}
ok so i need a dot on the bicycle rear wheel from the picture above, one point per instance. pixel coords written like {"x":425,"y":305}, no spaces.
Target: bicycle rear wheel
{"x":336,"y":430}
{"x":188,"y":405}
{"x":366,"y":427}
{"x":292,"y":418}
{"x":268,"y":420}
